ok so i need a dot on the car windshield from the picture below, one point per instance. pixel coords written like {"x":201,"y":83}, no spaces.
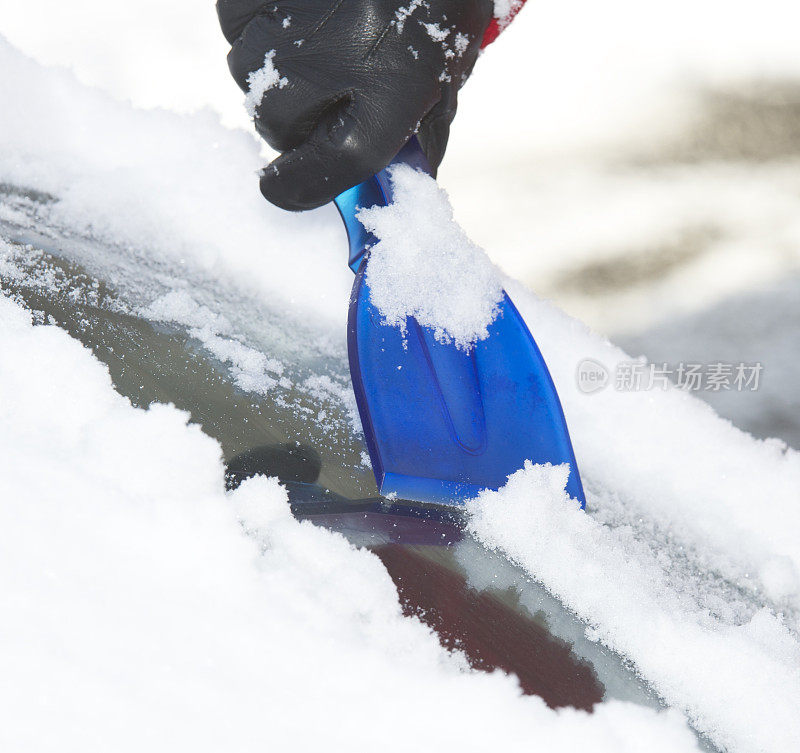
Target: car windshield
{"x":276,"y":397}
{"x":281,"y":406}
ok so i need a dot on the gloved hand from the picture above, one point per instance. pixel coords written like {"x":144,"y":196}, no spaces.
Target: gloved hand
{"x":338,"y":86}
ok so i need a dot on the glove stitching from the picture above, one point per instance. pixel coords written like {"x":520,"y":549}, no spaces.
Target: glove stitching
{"x":327,"y":17}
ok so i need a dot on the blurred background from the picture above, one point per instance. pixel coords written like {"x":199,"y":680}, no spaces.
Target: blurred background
{"x":637,"y":163}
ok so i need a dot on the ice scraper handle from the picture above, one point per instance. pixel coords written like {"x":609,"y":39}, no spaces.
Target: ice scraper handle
{"x":440,"y":423}
{"x":376,"y":191}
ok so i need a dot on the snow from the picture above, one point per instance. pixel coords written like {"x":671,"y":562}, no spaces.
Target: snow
{"x":404,"y":12}
{"x":729,"y":499}
{"x":106,"y":162}
{"x":261,"y":81}
{"x":461,"y":42}
{"x":425,"y":266}
{"x":435,"y":32}
{"x":558,"y":181}
{"x":145,"y":608}
{"x":251,"y":370}
{"x":154,"y":618}
{"x":324,"y":388}
{"x":699,"y":661}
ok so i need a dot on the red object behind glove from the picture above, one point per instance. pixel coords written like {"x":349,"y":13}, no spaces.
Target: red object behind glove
{"x":497,"y":25}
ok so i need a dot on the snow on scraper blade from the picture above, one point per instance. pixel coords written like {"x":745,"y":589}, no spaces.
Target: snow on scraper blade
{"x":442,"y":424}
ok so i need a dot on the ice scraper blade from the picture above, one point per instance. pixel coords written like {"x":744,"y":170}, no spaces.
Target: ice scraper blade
{"x":441,"y":424}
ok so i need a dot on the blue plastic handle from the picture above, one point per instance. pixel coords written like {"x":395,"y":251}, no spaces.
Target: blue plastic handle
{"x":376,"y":191}
{"x":442,"y":424}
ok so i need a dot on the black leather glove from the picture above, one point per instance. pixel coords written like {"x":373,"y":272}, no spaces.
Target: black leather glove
{"x":352,"y":81}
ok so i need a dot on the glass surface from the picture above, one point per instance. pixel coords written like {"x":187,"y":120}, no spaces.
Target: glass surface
{"x":475,"y":600}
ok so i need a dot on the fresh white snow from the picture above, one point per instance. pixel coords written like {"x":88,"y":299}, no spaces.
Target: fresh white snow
{"x":425,"y":266}
{"x":138,"y":612}
{"x":181,"y":187}
{"x":562,"y":159}
{"x":736,"y":676}
{"x":261,"y":81}
{"x":143,"y":608}
{"x":251,"y":370}
{"x":435,"y":32}
{"x":404,"y":12}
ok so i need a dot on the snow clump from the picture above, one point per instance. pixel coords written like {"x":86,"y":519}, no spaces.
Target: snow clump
{"x":261,"y":81}
{"x":425,"y":266}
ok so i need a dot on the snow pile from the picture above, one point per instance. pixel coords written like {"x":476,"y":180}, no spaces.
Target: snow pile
{"x":623,"y":590}
{"x":425,"y":266}
{"x":143,"y":608}
{"x":261,"y":81}
{"x":151,"y":53}
{"x":680,"y":474}
{"x":141,"y":179}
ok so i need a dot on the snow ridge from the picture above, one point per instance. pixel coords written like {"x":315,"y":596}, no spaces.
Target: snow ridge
{"x":627,"y":592}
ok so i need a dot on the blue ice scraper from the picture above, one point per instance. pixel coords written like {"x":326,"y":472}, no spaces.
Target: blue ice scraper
{"x":442,"y":424}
